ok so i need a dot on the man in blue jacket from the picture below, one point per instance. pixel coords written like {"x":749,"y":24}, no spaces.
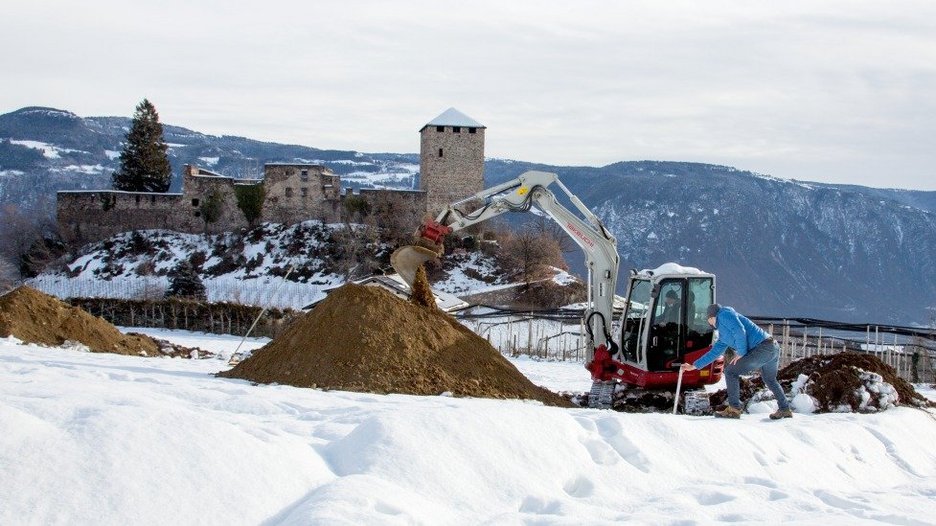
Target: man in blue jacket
{"x":753,"y":349}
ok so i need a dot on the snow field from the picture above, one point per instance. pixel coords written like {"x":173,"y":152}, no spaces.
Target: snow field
{"x":108,"y":439}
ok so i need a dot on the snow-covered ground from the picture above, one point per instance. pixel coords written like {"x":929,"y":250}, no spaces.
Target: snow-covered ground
{"x":108,"y":439}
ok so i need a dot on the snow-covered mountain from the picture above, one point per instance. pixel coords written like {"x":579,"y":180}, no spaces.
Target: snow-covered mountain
{"x":779,"y":247}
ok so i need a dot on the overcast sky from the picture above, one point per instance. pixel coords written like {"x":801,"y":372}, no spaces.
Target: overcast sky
{"x":831,"y":91}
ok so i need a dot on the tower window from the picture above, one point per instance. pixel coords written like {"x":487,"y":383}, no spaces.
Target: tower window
{"x":304,"y":174}
{"x":138,"y":200}
{"x":194,"y":202}
{"x":456,"y":129}
{"x":472,"y":130}
{"x":152,"y":199}
{"x":288,"y":192}
{"x":305,"y":192}
{"x":440,"y":152}
{"x":440,"y":128}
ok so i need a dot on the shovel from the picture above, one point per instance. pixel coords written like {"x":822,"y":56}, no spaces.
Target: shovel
{"x":678,"y":387}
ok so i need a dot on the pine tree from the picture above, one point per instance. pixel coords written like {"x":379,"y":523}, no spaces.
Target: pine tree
{"x":422,"y":293}
{"x":212,"y":208}
{"x":144,"y":165}
{"x":184,"y":282}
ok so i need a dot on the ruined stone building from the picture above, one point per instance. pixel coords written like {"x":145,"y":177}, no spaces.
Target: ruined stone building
{"x":451,"y":168}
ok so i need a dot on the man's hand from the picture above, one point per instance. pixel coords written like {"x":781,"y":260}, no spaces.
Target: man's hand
{"x":735,"y":359}
{"x":687,"y":367}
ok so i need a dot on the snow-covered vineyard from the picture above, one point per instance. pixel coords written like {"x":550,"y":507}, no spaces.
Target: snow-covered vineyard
{"x":554,"y":336}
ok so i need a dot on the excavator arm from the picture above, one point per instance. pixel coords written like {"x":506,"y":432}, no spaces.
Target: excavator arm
{"x":532,"y":189}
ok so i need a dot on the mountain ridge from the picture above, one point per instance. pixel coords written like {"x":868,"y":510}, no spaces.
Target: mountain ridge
{"x":780,"y":247}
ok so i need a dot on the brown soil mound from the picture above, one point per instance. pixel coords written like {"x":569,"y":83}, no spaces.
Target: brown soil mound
{"x":836,"y":381}
{"x":35,"y":317}
{"x":365,"y":339}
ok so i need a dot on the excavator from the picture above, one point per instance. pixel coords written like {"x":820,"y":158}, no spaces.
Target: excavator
{"x":663,"y":322}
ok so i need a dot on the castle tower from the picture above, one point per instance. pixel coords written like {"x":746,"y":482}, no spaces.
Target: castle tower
{"x":451,"y":159}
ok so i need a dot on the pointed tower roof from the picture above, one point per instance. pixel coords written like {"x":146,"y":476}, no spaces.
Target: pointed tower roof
{"x":453,"y":117}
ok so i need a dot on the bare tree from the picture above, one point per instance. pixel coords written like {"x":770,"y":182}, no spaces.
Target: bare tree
{"x":529,"y":255}
{"x":9,"y":276}
{"x":549,"y":228}
{"x":352,"y":257}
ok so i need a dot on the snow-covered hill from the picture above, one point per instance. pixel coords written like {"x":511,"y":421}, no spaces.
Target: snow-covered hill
{"x":108,"y":439}
{"x":250,"y":268}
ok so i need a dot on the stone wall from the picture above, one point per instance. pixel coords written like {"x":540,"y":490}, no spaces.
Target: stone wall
{"x":398,"y":212}
{"x":294,"y":193}
{"x":297,"y":192}
{"x":89,"y":216}
{"x":451,"y":164}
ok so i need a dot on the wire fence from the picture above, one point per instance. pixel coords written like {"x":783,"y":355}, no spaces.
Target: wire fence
{"x":543,"y":338}
{"x":910,"y":351}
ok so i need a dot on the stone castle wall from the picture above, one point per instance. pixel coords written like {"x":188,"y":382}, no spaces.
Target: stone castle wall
{"x":451,"y":164}
{"x":294,"y":193}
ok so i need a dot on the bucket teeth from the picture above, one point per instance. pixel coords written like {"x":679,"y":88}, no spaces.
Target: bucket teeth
{"x":405,"y":261}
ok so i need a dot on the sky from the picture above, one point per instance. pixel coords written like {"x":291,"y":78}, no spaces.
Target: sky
{"x":834,"y":91}
{"x":108,"y":439}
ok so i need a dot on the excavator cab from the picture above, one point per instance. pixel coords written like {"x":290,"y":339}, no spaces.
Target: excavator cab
{"x":664,"y":325}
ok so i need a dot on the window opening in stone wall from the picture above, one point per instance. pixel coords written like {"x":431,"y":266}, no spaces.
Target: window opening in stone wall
{"x":288,"y":192}
{"x":138,"y":200}
{"x":440,"y":128}
{"x":440,"y":152}
{"x":198,"y":213}
{"x":152,"y":199}
{"x":195,"y":202}
{"x":304,"y":175}
{"x":456,"y":129}
{"x":305,"y":192}
{"x":472,"y":130}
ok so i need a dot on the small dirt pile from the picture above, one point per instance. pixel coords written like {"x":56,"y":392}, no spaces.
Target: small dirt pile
{"x":850,"y":379}
{"x":365,"y":339}
{"x":35,"y":317}
{"x":840,"y":382}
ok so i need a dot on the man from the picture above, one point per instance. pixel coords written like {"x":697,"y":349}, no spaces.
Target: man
{"x":754,"y":349}
{"x":670,"y":308}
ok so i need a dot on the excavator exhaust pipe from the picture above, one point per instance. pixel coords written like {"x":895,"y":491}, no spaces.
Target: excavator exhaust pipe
{"x":405,"y":261}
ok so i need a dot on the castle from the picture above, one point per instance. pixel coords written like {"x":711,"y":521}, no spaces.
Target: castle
{"x":451,"y":168}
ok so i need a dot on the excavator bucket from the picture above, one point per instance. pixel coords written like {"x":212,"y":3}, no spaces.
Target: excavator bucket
{"x":405,"y":260}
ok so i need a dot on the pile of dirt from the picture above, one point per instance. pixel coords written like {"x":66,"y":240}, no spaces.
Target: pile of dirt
{"x":365,"y":339}
{"x":850,"y":379}
{"x":35,"y":317}
{"x":847,"y":381}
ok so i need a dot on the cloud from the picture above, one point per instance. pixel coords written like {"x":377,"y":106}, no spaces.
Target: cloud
{"x":837,"y":91}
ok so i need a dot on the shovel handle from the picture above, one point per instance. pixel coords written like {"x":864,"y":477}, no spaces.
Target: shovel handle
{"x":678,"y":387}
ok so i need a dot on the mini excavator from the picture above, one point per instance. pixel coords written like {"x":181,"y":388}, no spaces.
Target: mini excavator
{"x":663,"y":323}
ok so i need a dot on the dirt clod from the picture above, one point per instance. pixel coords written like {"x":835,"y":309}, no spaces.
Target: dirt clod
{"x":365,"y":339}
{"x":35,"y":317}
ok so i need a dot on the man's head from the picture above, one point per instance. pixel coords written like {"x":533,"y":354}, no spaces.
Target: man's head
{"x":671,"y":297}
{"x":711,"y":314}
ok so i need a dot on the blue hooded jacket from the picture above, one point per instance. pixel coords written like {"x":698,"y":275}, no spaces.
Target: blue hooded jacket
{"x":735,"y":331}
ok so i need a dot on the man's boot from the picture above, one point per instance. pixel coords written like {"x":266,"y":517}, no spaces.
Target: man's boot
{"x":781,"y":413}
{"x":728,"y":412}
